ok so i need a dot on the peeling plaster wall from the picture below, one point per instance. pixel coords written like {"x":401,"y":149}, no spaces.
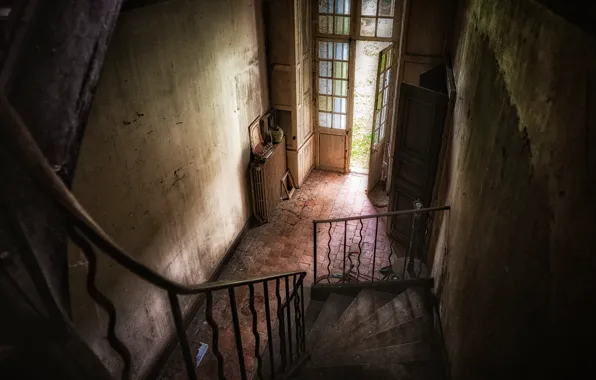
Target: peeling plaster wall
{"x":518,"y":272}
{"x":164,"y":161}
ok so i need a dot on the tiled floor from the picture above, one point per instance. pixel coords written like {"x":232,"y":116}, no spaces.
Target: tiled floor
{"x":286,"y":244}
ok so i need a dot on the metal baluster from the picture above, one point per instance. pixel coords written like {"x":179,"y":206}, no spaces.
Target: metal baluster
{"x":297,"y":316}
{"x":181,"y":331}
{"x":314,"y":232}
{"x":288,"y":303}
{"x":214,"y":336}
{"x":282,"y":329}
{"x":345,"y":276}
{"x":303,"y":312}
{"x":269,"y":334}
{"x":103,"y":302}
{"x":359,"y":251}
{"x":237,"y":333}
{"x":329,"y":254}
{"x":255,"y":330}
{"x":403,"y":275}
{"x":375,"y":250}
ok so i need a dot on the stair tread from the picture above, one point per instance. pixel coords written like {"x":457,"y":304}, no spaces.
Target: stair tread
{"x":415,"y":330}
{"x":334,"y":307}
{"x":402,"y":308}
{"x":341,"y":372}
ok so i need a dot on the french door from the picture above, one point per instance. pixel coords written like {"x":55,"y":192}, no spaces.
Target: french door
{"x":334,"y":64}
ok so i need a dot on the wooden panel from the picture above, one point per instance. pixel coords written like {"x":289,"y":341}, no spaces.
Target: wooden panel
{"x":281,"y":86}
{"x":306,"y":74}
{"x":306,"y":129}
{"x":426,"y":27}
{"x":412,"y":71}
{"x":332,"y":152}
{"x":301,"y":162}
{"x":280,"y":23}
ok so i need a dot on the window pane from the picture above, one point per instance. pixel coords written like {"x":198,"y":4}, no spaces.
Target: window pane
{"x":325,"y":6}
{"x":385,"y":96}
{"x":382,"y":132}
{"x":341,"y":51}
{"x":326,"y":24}
{"x":325,"y":103}
{"x":339,"y":121}
{"x":386,"y":7}
{"x":389,"y":54}
{"x":340,"y":105}
{"x":384,"y":115}
{"x":367,"y":26}
{"x":340,"y":87}
{"x":325,"y":69}
{"x":325,"y":86}
{"x":325,"y":119}
{"x":375,"y":136}
{"x":383,"y":62}
{"x":379,"y":100}
{"x":387,"y":77}
{"x":340,"y":70}
{"x":325,"y":50}
{"x":385,"y":27}
{"x":369,"y":7}
{"x":378,"y":116}
{"x":342,"y":25}
{"x":343,"y":7}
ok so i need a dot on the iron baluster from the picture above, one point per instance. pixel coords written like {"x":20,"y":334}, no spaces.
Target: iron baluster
{"x":282,"y":329}
{"x":214,"y":335}
{"x":237,"y":333}
{"x":269,"y":334}
{"x":375,"y":250}
{"x":359,"y":251}
{"x":103,"y":302}
{"x":314,"y":232}
{"x":344,"y":274}
{"x":288,"y":304}
{"x":255,"y":330}
{"x":303,"y":311}
{"x":297,"y":316}
{"x":329,"y":255}
{"x":181,"y":331}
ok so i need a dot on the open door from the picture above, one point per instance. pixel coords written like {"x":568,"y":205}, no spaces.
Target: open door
{"x":333,"y":70}
{"x":420,"y":122}
{"x":381,"y":115}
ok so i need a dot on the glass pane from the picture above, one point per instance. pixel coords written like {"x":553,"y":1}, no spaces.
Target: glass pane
{"x":382,"y":132}
{"x":387,"y":77}
{"x":341,"y":51}
{"x":384,"y":115}
{"x":325,"y":69}
{"x":383,"y":62}
{"x":379,"y":100}
{"x":385,"y":27}
{"x":325,"y":103}
{"x":340,"y":105}
{"x":375,"y":136}
{"x":339,"y":121}
{"x":389,"y":57}
{"x":378,"y":116}
{"x":325,"y":6}
{"x":367,"y":26}
{"x":325,"y":119}
{"x":340,"y":70}
{"x":340,"y":87}
{"x":343,"y":7}
{"x":386,"y":7}
{"x":385,"y":96}
{"x":369,"y":7}
{"x":326,"y":24}
{"x":325,"y":86}
{"x":342,"y":25}
{"x":325,"y":50}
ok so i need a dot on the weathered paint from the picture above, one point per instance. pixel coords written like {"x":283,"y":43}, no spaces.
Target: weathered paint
{"x":519,"y":266}
{"x":164,"y":162}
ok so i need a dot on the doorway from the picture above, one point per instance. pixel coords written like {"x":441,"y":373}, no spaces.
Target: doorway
{"x":365,"y":88}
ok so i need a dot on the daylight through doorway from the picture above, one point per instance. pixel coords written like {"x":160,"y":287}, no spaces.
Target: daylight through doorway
{"x":365,"y":82}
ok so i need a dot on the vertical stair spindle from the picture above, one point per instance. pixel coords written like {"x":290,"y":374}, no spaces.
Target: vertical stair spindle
{"x":181,"y":331}
{"x":237,"y":333}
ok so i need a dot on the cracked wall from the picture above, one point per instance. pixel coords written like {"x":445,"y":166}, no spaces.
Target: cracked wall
{"x":164,"y":161}
{"x":519,"y":265}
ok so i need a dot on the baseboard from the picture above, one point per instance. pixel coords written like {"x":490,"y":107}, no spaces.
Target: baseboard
{"x":172,"y":343}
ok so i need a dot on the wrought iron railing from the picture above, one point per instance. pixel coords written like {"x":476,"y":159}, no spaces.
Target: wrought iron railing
{"x":355,"y":249}
{"x":285,"y":313}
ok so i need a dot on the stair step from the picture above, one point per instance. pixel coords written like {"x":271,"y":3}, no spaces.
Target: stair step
{"x":412,"y":331}
{"x":341,"y":372}
{"x":334,"y":307}
{"x":402,"y":308}
{"x":366,"y":303}
{"x":379,"y":358}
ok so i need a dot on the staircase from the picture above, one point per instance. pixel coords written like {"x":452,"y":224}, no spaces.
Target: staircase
{"x":375,"y":335}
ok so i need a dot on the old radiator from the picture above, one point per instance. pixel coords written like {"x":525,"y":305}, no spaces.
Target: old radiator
{"x":265,"y":179}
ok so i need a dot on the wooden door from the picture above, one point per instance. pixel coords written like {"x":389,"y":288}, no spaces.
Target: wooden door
{"x":381,"y":115}
{"x":333,"y":71}
{"x":420,"y":121}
